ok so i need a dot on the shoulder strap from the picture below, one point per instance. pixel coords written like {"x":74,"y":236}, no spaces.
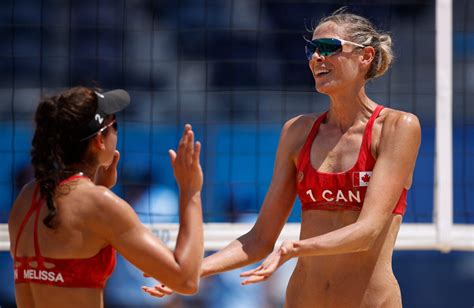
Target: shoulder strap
{"x":34,"y":205}
{"x":72,"y":178}
{"x":370,"y":125}
{"x":37,"y":206}
{"x":309,"y":140}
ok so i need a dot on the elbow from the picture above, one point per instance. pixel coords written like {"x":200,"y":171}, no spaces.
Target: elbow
{"x":188,"y":286}
{"x":260,"y":249}
{"x":258,"y":245}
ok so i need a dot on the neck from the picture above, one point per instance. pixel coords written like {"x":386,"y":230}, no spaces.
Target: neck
{"x":349,"y":107}
{"x":84,"y":169}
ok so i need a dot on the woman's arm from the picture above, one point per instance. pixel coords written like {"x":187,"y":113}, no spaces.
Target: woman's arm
{"x":116,"y":221}
{"x":398,"y":149}
{"x":276,"y":207}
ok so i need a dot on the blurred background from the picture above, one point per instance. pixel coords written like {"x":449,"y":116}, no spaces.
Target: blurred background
{"x":236,"y":70}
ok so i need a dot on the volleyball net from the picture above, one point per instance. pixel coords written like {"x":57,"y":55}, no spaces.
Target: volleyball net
{"x":236,"y":71}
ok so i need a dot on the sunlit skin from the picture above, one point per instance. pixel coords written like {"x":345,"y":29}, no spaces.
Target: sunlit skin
{"x":344,"y":257}
{"x":91,"y":217}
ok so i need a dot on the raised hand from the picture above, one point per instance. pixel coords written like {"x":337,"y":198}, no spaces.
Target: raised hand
{"x":107,"y":175}
{"x":270,"y":265}
{"x":186,"y":167}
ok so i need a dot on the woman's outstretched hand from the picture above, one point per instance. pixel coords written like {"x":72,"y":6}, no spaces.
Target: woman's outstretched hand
{"x":107,"y":175}
{"x":159,"y":290}
{"x":185,"y":162}
{"x":270,"y":265}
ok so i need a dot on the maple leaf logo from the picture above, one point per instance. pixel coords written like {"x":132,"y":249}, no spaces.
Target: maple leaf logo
{"x":361,"y":178}
{"x":366,"y":178}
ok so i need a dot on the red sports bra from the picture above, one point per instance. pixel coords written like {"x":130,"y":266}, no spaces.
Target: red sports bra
{"x":339,"y":190}
{"x":90,"y":272}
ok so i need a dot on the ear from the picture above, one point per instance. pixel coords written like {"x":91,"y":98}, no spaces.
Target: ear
{"x":368,"y":54}
{"x":99,"y":142}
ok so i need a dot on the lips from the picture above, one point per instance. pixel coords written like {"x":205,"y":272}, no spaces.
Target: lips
{"x":318,"y":72}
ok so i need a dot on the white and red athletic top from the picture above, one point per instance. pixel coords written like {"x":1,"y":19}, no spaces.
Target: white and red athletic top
{"x":339,"y":190}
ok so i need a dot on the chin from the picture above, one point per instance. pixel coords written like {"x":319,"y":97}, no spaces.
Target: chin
{"x":331,"y":86}
{"x":324,"y":89}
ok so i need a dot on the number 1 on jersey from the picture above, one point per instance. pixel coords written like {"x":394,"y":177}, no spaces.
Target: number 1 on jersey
{"x":310,"y":194}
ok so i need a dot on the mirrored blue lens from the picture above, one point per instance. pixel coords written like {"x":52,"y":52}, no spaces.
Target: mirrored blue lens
{"x":324,"y":47}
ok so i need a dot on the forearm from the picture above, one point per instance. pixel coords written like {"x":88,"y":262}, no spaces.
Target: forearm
{"x":352,"y":238}
{"x":243,"y":251}
{"x":190,"y":244}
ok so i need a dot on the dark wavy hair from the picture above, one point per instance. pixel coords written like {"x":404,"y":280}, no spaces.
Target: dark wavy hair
{"x":56,"y":142}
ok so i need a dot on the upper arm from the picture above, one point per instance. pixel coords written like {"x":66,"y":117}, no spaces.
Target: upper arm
{"x":281,"y":194}
{"x":398,"y":148}
{"x":119,"y":225}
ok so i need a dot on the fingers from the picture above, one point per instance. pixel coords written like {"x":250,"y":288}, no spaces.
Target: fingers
{"x":197,"y":152}
{"x":115,"y":160}
{"x":184,"y":137}
{"x":254,"y":279}
{"x":256,"y":275}
{"x":158,"y":290}
{"x":189,"y":148}
{"x":264,"y":272}
{"x":153,"y":292}
{"x":187,"y":127}
{"x":188,"y":151}
{"x":164,"y":289}
{"x":172,"y":156}
{"x":251,"y":272}
{"x":259,"y":271}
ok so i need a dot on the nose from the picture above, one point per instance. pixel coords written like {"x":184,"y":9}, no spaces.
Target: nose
{"x":316,"y":56}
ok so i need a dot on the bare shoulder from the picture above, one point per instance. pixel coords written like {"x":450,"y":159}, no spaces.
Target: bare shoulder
{"x":295,"y":132}
{"x":20,"y":206}
{"x":103,"y":211}
{"x":399,"y":122}
{"x":397,"y":130}
{"x":298,"y":128}
{"x":100,"y":201}
{"x":300,"y":123}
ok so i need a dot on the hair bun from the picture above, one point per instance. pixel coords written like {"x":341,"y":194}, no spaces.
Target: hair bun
{"x":385,"y":39}
{"x":386,"y":55}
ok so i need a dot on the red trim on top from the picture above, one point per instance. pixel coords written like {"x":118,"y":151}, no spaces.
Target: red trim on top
{"x":25,"y":220}
{"x":370,"y":125}
{"x":74,"y":177}
{"x":37,"y":205}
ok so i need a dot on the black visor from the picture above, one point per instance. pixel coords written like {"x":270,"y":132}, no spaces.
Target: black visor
{"x":109,"y":103}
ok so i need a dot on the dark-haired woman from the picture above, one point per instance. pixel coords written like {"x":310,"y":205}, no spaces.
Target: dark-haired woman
{"x":351,"y":168}
{"x":67,"y":224}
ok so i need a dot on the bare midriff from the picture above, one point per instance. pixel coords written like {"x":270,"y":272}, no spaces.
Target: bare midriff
{"x":360,"y":279}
